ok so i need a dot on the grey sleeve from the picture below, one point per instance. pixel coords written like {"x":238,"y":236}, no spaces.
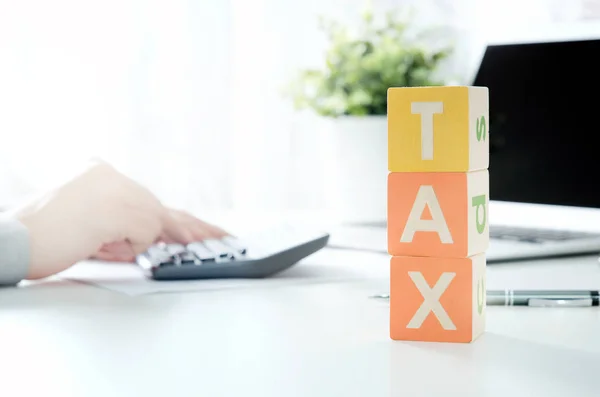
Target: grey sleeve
{"x":14,"y":251}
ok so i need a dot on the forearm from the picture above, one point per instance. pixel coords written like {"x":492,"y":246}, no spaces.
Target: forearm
{"x":14,"y":251}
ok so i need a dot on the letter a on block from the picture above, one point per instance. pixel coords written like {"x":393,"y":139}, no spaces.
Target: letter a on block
{"x":438,"y":129}
{"x":437,"y":299}
{"x":435,"y":214}
{"x":437,"y":223}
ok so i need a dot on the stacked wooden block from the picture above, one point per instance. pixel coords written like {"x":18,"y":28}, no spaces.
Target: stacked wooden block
{"x":438,"y":197}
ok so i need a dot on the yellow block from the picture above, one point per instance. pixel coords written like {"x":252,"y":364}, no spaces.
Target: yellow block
{"x":438,"y":129}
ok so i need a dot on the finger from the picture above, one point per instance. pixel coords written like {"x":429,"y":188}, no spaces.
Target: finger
{"x":117,"y":248}
{"x":182,"y":227}
{"x":113,"y":257}
{"x":176,"y":230}
{"x":199,"y":233}
{"x":214,"y":231}
{"x":163,"y":238}
{"x":202,"y":229}
{"x":140,"y":229}
{"x":116,"y":251}
{"x":196,"y":231}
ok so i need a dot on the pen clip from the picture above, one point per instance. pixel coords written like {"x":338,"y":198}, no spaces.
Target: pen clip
{"x":578,"y":302}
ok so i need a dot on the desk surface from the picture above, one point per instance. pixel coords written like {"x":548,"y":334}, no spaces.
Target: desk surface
{"x":321,"y":339}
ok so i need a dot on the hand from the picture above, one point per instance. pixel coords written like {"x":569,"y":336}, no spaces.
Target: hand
{"x":189,"y":229}
{"x":99,"y":212}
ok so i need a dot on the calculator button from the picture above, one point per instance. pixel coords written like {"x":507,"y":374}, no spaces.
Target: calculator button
{"x":216,"y":246}
{"x":157,"y":255}
{"x":175,"y":249}
{"x":234,"y":244}
{"x":171,"y":262}
{"x":188,"y":258}
{"x":147,"y":261}
{"x":156,"y":251}
{"x":201,"y":252}
{"x":181,"y":256}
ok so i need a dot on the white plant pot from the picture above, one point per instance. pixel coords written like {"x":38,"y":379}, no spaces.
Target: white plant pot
{"x":355,"y":168}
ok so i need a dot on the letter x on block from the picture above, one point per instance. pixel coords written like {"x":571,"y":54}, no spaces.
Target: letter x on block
{"x":431,"y":302}
{"x":437,"y":299}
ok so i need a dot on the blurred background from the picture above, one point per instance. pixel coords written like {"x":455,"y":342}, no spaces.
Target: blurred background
{"x":201,"y":100}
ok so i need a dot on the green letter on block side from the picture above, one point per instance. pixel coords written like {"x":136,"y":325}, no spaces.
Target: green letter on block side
{"x":479,"y":203}
{"x":481,"y":129}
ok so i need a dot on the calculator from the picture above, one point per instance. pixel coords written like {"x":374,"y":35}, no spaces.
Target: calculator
{"x":256,"y":255}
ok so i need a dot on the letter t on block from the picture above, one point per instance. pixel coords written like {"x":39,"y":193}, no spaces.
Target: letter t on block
{"x":427,"y":110}
{"x":438,"y":129}
{"x":437,"y":299}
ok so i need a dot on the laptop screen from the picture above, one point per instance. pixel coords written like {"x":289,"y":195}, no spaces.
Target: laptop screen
{"x":544,"y":122}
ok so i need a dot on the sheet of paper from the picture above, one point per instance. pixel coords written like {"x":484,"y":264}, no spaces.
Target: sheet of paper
{"x":360,"y":238}
{"x":323,"y":266}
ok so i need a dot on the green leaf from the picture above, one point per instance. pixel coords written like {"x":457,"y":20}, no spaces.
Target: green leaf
{"x":359,"y":68}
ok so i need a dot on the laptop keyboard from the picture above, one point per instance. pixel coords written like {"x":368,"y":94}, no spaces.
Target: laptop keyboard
{"x":538,"y":236}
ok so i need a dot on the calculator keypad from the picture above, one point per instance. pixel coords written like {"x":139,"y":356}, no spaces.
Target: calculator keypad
{"x":217,"y":246}
{"x":202,"y":252}
{"x":197,"y":253}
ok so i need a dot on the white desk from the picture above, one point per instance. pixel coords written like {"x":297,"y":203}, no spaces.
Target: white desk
{"x":311,"y":340}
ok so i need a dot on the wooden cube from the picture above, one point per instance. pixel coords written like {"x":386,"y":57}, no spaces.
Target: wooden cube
{"x":438,"y":129}
{"x":438,"y":214}
{"x":437,"y":299}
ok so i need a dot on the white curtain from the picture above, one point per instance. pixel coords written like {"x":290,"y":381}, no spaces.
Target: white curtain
{"x":184,"y":95}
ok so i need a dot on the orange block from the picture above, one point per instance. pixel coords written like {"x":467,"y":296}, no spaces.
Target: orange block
{"x":437,"y":299}
{"x":438,"y":214}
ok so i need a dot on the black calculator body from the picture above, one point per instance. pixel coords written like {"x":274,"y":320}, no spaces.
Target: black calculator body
{"x":257,"y":255}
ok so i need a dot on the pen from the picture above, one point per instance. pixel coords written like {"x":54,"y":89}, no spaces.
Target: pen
{"x":537,"y":298}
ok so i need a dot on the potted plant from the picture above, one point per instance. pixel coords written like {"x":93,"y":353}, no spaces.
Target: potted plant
{"x":349,"y":94}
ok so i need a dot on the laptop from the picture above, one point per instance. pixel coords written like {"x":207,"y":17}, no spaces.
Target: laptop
{"x":544,"y":152}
